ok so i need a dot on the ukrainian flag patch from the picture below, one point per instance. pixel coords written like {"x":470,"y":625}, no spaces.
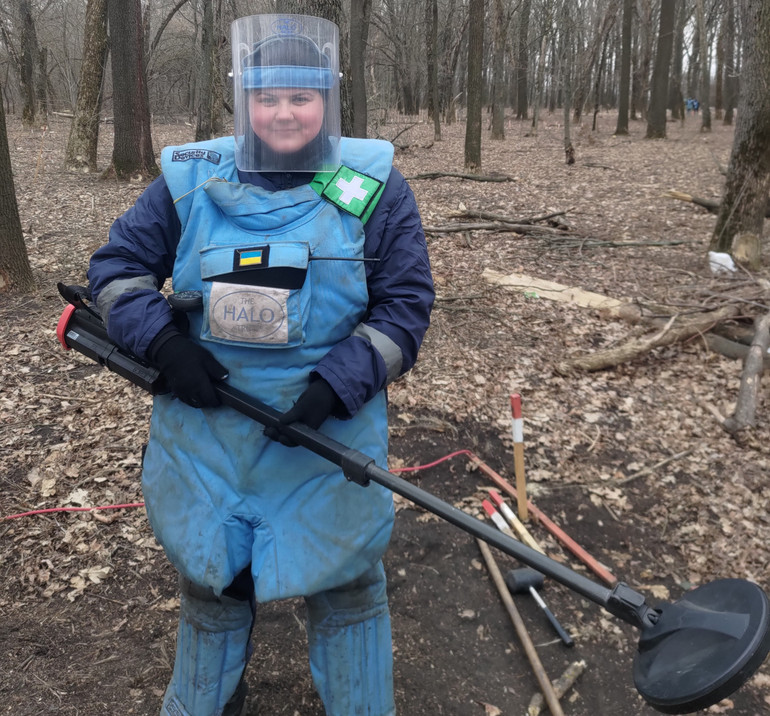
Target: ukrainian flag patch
{"x":251,"y":257}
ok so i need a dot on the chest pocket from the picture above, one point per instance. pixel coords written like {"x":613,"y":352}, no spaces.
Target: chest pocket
{"x":256,"y":294}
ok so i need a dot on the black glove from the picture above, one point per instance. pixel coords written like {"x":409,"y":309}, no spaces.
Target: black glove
{"x":189,"y":369}
{"x":312,"y":407}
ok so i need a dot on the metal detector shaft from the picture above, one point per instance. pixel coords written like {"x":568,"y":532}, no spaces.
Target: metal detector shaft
{"x":621,"y":601}
{"x":87,"y":335}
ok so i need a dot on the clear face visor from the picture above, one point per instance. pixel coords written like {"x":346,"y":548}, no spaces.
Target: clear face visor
{"x":286,"y":92}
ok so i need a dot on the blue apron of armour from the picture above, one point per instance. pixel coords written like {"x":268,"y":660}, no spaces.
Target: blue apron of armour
{"x":219,"y":494}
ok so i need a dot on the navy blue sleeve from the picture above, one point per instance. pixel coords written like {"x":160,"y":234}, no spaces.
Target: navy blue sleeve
{"x":401,"y":296}
{"x":139,"y":256}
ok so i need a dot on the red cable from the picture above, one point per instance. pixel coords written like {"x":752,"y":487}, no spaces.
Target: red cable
{"x":73,"y":509}
{"x":141,"y":504}
{"x":433,"y":464}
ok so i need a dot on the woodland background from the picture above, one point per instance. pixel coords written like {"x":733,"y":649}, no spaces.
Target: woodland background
{"x":634,"y":438}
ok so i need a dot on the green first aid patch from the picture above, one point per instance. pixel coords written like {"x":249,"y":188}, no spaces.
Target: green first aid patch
{"x":352,"y":191}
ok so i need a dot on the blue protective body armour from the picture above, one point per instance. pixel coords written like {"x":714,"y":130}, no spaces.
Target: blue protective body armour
{"x":219,"y":494}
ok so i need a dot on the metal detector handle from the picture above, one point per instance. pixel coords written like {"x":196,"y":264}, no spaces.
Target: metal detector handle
{"x":78,"y":329}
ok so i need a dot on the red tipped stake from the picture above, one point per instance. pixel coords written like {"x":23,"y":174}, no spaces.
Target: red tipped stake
{"x":518,"y":456}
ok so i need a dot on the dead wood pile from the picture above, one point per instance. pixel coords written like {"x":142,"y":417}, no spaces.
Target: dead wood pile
{"x":730,"y":316}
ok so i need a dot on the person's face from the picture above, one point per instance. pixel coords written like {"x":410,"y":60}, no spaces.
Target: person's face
{"x":286,"y":119}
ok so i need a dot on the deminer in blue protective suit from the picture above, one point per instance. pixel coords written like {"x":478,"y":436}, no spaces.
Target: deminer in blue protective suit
{"x":308,"y":254}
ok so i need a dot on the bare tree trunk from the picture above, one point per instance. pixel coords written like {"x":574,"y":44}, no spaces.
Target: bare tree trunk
{"x":217,"y":80}
{"x":720,"y":74}
{"x":434,"y":111}
{"x":450,"y":73}
{"x":132,"y":152}
{"x":33,"y":79}
{"x":538,"y":98}
{"x":566,"y":52}
{"x":205,"y":74}
{"x":591,"y":57}
{"x":473,"y":120}
{"x":15,"y":271}
{"x":675,"y":96}
{"x":625,"y":68}
{"x":656,"y":117}
{"x":522,"y":62}
{"x":731,"y":74}
{"x":164,"y":23}
{"x":360,"y":11}
{"x":753,"y":366}
{"x":641,"y":73}
{"x":705,"y":74}
{"x":498,"y":69}
{"x":738,"y":230}
{"x":598,"y":83}
{"x":80,"y":153}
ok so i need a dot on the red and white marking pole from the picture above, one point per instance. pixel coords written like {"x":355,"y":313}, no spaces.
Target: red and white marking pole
{"x":514,"y":521}
{"x":497,"y":518}
{"x":518,"y":456}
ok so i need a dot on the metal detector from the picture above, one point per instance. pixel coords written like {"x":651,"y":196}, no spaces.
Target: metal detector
{"x":691,"y":654}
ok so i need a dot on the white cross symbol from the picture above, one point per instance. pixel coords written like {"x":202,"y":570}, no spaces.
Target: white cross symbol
{"x":351,"y":189}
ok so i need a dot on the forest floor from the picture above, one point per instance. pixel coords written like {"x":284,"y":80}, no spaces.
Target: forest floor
{"x":631,"y":461}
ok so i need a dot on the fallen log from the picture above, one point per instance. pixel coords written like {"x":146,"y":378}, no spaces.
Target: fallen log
{"x":671,"y":333}
{"x":457,"y":175}
{"x":746,"y":405}
{"x":710,"y":205}
{"x":736,"y":332}
{"x":728,"y":339}
{"x":489,"y":216}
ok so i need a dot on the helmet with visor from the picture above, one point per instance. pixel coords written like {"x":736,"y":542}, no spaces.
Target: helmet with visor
{"x":286,"y":93}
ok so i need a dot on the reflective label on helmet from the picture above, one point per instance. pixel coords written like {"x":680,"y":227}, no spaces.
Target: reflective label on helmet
{"x":250,"y":314}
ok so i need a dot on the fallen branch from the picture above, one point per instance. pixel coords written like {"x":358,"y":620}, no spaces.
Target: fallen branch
{"x":746,"y":406}
{"x":471,"y":177}
{"x":478,"y":214}
{"x":588,"y":243}
{"x":708,"y":407}
{"x":736,"y":333}
{"x":492,"y":226}
{"x":560,"y":686}
{"x":598,"y":166}
{"x":709,"y":204}
{"x":637,"y":347}
{"x":649,"y":470}
{"x":731,"y":349}
{"x":405,"y":129}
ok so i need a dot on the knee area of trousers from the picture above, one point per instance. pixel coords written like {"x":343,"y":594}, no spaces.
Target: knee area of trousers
{"x":364,"y":598}
{"x":207,"y":611}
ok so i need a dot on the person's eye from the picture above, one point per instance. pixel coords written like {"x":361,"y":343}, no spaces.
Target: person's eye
{"x":266,"y":100}
{"x":301,"y":99}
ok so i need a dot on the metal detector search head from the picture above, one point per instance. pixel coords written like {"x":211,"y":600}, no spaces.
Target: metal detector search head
{"x":703,"y":647}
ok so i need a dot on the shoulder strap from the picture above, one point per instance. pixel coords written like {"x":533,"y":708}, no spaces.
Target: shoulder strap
{"x":187,"y":167}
